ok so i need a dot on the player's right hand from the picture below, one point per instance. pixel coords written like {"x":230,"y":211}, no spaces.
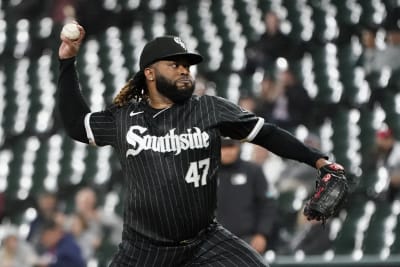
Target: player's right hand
{"x":70,"y":48}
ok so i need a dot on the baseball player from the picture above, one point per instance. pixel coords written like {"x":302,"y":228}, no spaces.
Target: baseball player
{"x":168,"y":143}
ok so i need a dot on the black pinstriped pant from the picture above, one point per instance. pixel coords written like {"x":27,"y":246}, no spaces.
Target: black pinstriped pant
{"x":215,"y":247}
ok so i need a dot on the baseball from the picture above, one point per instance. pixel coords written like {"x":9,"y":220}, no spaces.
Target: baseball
{"x":70,"y":31}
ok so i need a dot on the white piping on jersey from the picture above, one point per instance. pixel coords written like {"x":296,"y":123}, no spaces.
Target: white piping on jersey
{"x":89,"y":132}
{"x":161,"y":111}
{"x":255,"y":130}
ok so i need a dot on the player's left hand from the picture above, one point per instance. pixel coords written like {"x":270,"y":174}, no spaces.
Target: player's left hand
{"x":331,"y":191}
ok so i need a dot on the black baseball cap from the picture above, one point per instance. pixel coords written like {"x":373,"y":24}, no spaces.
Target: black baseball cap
{"x":166,"y":47}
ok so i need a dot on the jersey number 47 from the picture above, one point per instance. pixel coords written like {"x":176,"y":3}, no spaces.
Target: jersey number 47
{"x":197,"y":172}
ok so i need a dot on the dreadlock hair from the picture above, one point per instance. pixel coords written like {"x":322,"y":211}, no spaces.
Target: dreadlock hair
{"x":135,"y":89}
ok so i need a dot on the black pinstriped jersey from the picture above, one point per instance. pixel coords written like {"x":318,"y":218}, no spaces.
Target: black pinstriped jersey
{"x":170,"y":159}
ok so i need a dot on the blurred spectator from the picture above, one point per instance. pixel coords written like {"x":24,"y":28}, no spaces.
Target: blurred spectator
{"x":47,"y":208}
{"x":61,"y":247}
{"x":285,"y":102}
{"x":15,"y":252}
{"x":244,"y":207}
{"x":203,"y":86}
{"x":374,"y":60}
{"x":272,"y":44}
{"x":391,"y":53}
{"x":370,"y":55}
{"x":297,"y":175}
{"x":271,"y":164}
{"x":269,"y":92}
{"x":85,"y":222}
{"x":268,"y":96}
{"x":309,"y":237}
{"x":247,"y":102}
{"x":62,"y":11}
{"x":97,"y":219}
{"x":387,"y":154}
{"x":87,"y":241}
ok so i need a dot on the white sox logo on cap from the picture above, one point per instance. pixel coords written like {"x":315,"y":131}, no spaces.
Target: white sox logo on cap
{"x":180,"y":42}
{"x":164,"y":47}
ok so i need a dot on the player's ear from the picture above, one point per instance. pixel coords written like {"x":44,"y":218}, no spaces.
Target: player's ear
{"x":149,"y":73}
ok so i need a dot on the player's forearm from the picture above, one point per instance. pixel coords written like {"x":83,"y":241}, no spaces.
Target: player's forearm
{"x":72,"y":105}
{"x":284,"y":144}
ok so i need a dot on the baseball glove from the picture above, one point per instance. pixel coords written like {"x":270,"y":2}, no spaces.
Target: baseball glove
{"x":331,"y":191}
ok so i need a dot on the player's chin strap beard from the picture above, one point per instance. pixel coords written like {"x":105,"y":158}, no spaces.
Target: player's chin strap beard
{"x":172,"y":92}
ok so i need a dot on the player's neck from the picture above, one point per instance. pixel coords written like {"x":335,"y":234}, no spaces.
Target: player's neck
{"x":159,"y":102}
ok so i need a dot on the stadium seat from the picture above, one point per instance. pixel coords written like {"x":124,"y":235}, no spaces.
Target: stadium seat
{"x":395,"y":248}
{"x":373,"y":12}
{"x":91,"y":167}
{"x":390,"y":107}
{"x":6,"y":156}
{"x":243,"y":7}
{"x":41,"y":170}
{"x":34,"y":97}
{"x":319,"y":17}
{"x":295,"y":16}
{"x":367,"y":136}
{"x":344,"y":11}
{"x":67,"y":147}
{"x":14,"y":176}
{"x":265,"y":6}
{"x":346,"y":240}
{"x":348,"y":76}
{"x":394,"y":81}
{"x":3,"y":36}
{"x":395,"y":228}
{"x":10,"y":97}
{"x":35,"y":155}
{"x":374,"y":239}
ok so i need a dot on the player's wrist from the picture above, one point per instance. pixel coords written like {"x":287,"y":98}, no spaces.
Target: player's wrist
{"x":66,"y":59}
{"x":322,"y":162}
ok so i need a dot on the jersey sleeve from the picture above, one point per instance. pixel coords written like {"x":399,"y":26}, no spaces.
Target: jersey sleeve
{"x":236,"y":122}
{"x":101,"y":128}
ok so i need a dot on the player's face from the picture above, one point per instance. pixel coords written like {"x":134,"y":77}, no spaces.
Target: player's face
{"x":173,"y":79}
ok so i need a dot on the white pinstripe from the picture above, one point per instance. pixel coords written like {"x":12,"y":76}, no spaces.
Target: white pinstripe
{"x":161,"y":205}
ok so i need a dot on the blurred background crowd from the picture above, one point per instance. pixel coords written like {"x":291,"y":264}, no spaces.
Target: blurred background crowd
{"x":328,"y":71}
